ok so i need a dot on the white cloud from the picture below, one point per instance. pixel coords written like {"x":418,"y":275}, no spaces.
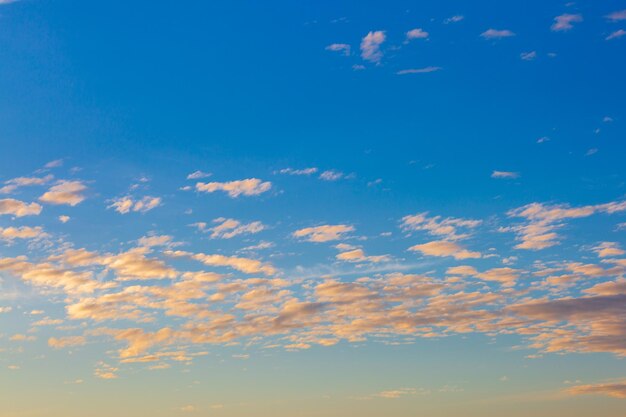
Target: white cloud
{"x":505,"y":175}
{"x":370,"y":46}
{"x":331,"y":175}
{"x":57,"y":162}
{"x":303,"y":171}
{"x":196,"y":175}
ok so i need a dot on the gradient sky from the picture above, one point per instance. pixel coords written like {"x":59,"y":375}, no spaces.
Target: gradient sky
{"x":346,"y":208}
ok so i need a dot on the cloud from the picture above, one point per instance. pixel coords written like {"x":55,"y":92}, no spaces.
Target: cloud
{"x":505,"y":175}
{"x":357,"y":255}
{"x":565,"y":22}
{"x":331,"y":175}
{"x":64,"y":219}
{"x":324,"y":233}
{"x":68,"y":341}
{"x":234,"y":189}
{"x":65,"y":192}
{"x":445,"y":248}
{"x":609,"y":249}
{"x":497,"y":34}
{"x":125,"y":205}
{"x":402,"y":392}
{"x":5,"y":309}
{"x":25,"y":232}
{"x":448,"y":227}
{"x":453,"y":19}
{"x":609,"y":389}
{"x":544,"y":220}
{"x":16,"y":183}
{"x":617,"y":16}
{"x":229,"y":228}
{"x":57,"y":162}
{"x":246,"y":265}
{"x":188,"y":409}
{"x":19,"y":208}
{"x":105,"y":371}
{"x":416,"y":34}
{"x":528,"y":56}
{"x":424,"y":70}
{"x":370,"y":46}
{"x":304,"y":171}
{"x":616,"y":34}
{"x":344,"y":48}
{"x":196,"y":175}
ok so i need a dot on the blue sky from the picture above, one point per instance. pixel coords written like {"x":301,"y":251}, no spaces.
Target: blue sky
{"x":312,"y":208}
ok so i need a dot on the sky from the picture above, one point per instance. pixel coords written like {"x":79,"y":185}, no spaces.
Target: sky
{"x":312,"y":208}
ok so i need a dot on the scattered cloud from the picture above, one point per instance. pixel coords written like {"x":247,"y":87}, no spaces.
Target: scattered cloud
{"x":445,"y":248}
{"x":545,"y":220}
{"x":617,"y":16}
{"x":228,"y":228}
{"x":609,"y":389}
{"x":616,"y":34}
{"x":448,"y":227}
{"x":331,"y":175}
{"x":497,"y":34}
{"x":565,"y":22}
{"x":324,"y":233}
{"x":196,"y":175}
{"x":528,"y":56}
{"x":416,"y":34}
{"x":19,"y":208}
{"x":234,"y":189}
{"x":57,"y":162}
{"x":343,"y":48}
{"x":125,"y":205}
{"x":14,"y":184}
{"x":24,"y":232}
{"x":505,"y":175}
{"x":65,"y":192}
{"x":424,"y":70}
{"x":453,"y":19}
{"x":370,"y":46}
{"x":303,"y":171}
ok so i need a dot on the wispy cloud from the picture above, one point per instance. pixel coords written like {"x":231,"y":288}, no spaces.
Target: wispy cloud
{"x":424,"y":70}
{"x":565,"y":22}
{"x":505,"y":175}
{"x":343,"y":48}
{"x":616,"y":34}
{"x":497,"y":34}
{"x":234,"y":189}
